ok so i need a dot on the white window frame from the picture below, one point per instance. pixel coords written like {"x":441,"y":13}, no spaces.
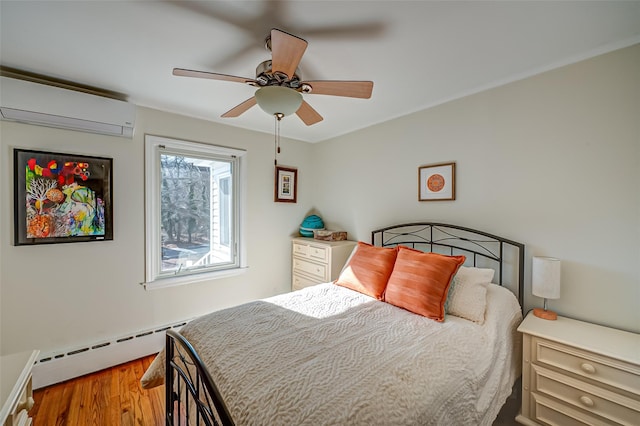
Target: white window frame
{"x":154,"y":147}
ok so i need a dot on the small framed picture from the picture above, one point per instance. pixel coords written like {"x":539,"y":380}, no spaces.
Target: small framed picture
{"x":286,"y":185}
{"x":437,"y":182}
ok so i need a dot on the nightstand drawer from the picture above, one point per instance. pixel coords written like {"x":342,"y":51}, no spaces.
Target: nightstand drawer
{"x":314,"y":269}
{"x":610,"y":405}
{"x":617,"y":374}
{"x":547,"y":411}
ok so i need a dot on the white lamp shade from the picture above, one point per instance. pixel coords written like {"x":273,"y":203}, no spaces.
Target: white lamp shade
{"x":278,"y":100}
{"x":545,"y":277}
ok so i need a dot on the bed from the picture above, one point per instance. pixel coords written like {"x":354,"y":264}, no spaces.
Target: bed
{"x":331,"y":355}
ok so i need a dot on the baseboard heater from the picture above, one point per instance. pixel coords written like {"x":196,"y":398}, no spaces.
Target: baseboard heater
{"x":58,"y":366}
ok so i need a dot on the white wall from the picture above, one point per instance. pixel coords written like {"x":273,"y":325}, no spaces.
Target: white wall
{"x":552,"y":161}
{"x":67,"y":295}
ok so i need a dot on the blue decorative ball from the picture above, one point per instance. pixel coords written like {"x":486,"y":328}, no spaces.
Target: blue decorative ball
{"x":309,"y":224}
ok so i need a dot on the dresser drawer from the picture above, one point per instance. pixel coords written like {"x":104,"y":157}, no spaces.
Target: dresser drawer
{"x":318,"y":253}
{"x":307,"y":251}
{"x":300,"y":249}
{"x":617,"y":374}
{"x":612,"y":406}
{"x":315,"y":270}
{"x":299,"y":282}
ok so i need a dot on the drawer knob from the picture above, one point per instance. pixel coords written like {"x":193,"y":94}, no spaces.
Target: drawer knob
{"x":26,"y":405}
{"x":585,"y":400}
{"x":588,"y":368}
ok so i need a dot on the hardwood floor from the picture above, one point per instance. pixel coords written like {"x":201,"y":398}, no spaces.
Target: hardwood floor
{"x":111,"y":397}
{"x":114,"y":397}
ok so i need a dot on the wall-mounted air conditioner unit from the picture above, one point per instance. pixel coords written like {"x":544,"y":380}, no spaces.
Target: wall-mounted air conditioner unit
{"x":44,"y":105}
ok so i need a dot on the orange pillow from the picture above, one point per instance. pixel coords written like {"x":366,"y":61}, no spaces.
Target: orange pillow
{"x":420,"y":281}
{"x":368,"y":270}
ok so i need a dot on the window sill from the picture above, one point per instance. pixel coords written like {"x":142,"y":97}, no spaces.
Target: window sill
{"x":192,"y":279}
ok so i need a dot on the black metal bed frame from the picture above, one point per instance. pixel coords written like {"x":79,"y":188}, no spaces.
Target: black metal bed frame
{"x":191,"y":395}
{"x":477,"y":245}
{"x":189,"y":387}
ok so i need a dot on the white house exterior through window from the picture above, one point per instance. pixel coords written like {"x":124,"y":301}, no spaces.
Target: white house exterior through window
{"x":193,"y":211}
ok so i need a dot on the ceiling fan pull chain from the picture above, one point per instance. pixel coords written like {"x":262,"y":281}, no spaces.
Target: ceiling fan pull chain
{"x":278,"y":118}
{"x":275,"y":140}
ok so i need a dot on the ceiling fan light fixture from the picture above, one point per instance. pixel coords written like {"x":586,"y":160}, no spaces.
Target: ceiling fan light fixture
{"x":278,"y":100}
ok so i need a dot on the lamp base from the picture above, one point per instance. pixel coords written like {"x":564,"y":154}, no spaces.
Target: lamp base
{"x":544,"y":314}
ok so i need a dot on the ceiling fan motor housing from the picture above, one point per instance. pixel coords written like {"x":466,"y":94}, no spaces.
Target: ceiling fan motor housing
{"x":266,"y":77}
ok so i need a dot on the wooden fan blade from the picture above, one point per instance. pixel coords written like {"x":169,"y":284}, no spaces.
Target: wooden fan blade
{"x":308,"y":115}
{"x":239,"y":109}
{"x":286,"y":52}
{"x":348,"y":89}
{"x":213,"y":76}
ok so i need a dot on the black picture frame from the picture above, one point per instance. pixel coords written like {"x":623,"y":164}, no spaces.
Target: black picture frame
{"x":61,"y":197}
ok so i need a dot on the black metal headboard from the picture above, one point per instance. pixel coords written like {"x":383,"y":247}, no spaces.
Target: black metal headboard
{"x":482,"y":249}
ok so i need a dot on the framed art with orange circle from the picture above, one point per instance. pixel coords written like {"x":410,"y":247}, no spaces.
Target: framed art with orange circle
{"x":437,"y":182}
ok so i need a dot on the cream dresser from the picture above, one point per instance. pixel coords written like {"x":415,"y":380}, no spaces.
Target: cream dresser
{"x":577,"y":373}
{"x":16,"y":393}
{"x":315,"y":261}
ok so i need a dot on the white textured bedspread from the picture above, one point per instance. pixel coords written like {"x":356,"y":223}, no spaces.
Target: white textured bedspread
{"x":327,"y":355}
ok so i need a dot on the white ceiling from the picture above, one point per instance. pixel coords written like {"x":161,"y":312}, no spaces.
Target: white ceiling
{"x":418,"y":53}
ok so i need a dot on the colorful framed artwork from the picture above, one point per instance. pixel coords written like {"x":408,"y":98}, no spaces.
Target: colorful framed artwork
{"x":437,"y":182}
{"x":286,"y":185}
{"x":61,"y":198}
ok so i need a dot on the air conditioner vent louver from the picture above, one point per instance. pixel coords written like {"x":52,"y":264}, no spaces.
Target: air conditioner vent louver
{"x":51,"y":106}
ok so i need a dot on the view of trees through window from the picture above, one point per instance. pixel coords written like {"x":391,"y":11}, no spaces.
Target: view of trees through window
{"x":194,"y":212}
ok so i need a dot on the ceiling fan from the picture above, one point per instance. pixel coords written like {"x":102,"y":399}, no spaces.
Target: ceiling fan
{"x":280,"y":84}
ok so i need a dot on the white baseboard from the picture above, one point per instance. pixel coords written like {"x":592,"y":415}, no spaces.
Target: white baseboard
{"x":64,"y":365}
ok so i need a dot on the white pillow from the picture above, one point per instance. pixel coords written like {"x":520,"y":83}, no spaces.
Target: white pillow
{"x":467,"y":296}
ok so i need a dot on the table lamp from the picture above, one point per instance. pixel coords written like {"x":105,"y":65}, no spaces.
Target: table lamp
{"x":545,"y":283}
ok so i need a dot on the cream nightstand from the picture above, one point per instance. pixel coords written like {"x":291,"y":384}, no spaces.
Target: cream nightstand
{"x":315,"y":261}
{"x":577,"y":373}
{"x":16,"y":392}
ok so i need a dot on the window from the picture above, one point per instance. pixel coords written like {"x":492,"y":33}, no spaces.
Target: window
{"x":193,"y":205}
